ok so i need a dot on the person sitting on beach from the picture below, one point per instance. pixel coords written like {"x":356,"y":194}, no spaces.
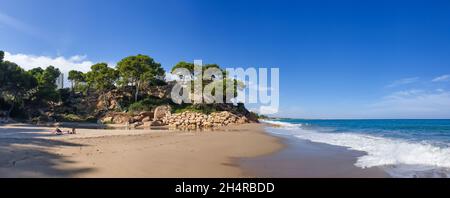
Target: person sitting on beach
{"x":73,"y":131}
{"x":58,"y":131}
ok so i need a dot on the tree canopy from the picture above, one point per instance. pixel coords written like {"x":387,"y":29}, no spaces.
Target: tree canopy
{"x":76,"y":77}
{"x":138,"y":71}
{"x":15,"y":84}
{"x":224,"y":81}
{"x":185,"y":65}
{"x":46,"y":79}
{"x":2,"y":56}
{"x":191,"y":67}
{"x":102,"y":77}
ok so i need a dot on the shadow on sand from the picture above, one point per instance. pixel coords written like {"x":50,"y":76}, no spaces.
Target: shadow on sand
{"x":24,"y":153}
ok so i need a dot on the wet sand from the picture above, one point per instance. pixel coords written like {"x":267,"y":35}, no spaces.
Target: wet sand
{"x":306,"y":159}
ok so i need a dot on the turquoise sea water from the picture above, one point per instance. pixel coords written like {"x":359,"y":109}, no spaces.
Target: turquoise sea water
{"x":404,"y":148}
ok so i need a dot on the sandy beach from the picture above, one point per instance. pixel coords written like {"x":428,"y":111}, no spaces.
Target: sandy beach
{"x":238,"y":151}
{"x":30,"y":151}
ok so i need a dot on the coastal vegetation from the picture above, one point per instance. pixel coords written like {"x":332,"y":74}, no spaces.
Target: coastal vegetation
{"x":136,"y":85}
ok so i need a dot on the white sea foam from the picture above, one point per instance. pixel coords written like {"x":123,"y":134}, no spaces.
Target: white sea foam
{"x":282,"y":124}
{"x":380,"y":151}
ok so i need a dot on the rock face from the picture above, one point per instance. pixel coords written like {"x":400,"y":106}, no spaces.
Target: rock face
{"x":160,"y":91}
{"x":162,"y":112}
{"x":116,"y":118}
{"x":193,"y":120}
{"x":123,"y":118}
{"x":162,"y":116}
{"x":153,"y":123}
{"x":110,"y":100}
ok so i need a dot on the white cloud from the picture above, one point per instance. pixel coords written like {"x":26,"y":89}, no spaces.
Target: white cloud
{"x":77,"y":62}
{"x":442,"y":78}
{"x":413,"y":104}
{"x":403,"y":81}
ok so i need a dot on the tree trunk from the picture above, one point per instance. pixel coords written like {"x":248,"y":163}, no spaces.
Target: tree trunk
{"x":75,"y":86}
{"x":136,"y":92}
{"x":87,"y":90}
{"x":105,"y":102}
{"x":8,"y":115}
{"x":72,"y":91}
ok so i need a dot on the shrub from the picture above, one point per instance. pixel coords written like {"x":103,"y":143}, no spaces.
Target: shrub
{"x":148,"y":104}
{"x":138,"y":106}
{"x":70,"y":118}
{"x":206,"y":109}
{"x":76,"y":118}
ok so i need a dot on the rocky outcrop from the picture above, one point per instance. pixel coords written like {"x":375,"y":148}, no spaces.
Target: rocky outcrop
{"x":162,"y":116}
{"x":116,"y":118}
{"x":161,"y":112}
{"x":111,"y":100}
{"x":160,"y":91}
{"x":123,"y":118}
{"x":193,"y":120}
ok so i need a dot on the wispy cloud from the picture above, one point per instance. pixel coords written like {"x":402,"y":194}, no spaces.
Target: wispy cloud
{"x":414,"y":103}
{"x":442,"y":78}
{"x":403,"y":81}
{"x":14,"y":23}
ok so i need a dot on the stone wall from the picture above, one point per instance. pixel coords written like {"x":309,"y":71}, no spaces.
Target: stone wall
{"x":161,"y":116}
{"x":194,"y":120}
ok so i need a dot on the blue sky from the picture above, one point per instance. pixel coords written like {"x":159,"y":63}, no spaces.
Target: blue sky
{"x":337,"y":59}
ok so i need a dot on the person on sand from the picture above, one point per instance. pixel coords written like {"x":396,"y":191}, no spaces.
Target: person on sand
{"x":73,"y":131}
{"x":58,"y":131}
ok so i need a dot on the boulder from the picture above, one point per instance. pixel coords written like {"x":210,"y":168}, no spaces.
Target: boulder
{"x":146,"y":114}
{"x":154,"y":123}
{"x":157,"y":123}
{"x":137,"y":124}
{"x":116,"y":118}
{"x":108,"y":119}
{"x":146,"y":119}
{"x":162,"y":112}
{"x":137,"y":118}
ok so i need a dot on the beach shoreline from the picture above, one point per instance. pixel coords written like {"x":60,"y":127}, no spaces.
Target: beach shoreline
{"x":30,"y":151}
{"x":231,"y":152}
{"x":306,"y":159}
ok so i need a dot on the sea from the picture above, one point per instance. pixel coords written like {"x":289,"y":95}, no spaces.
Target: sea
{"x":406,"y":148}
